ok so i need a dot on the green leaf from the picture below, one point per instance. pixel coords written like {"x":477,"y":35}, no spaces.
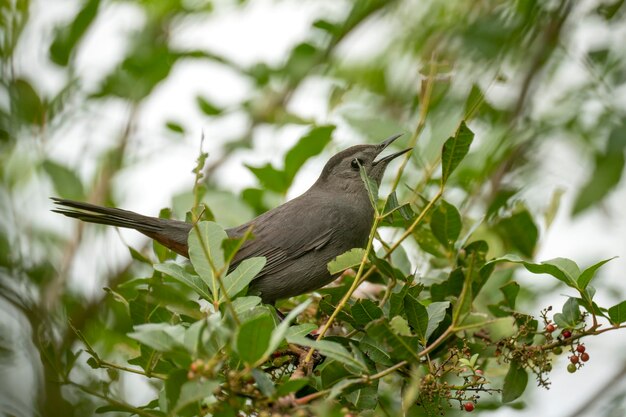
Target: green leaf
{"x":193,"y":337}
{"x":401,"y":347}
{"x":191,"y":280}
{"x":375,"y":352}
{"x":66,"y":182}
{"x":475,"y":100}
{"x":371,"y":187}
{"x":475,"y":265}
{"x":113,"y":408}
{"x":138,"y":256}
{"x":26,"y":105}
{"x":446,"y":224}
{"x":300,"y":329}
{"x":280,"y":331}
{"x":193,"y":392}
{"x":302,"y":58}
{"x":161,"y":337}
{"x":428,"y":242}
{"x":520,"y":232}
{"x":436,"y":313}
{"x":587,"y":275}
{"x":206,"y":253}
{"x":147,"y":63}
{"x":451,"y":287}
{"x":417,"y":315}
{"x":253,"y":338}
{"x":342,"y":386}
{"x":333,"y":372}
{"x":500,"y":200}
{"x":68,"y":37}
{"x":392,"y":205}
{"x":515,"y":382}
{"x":606,"y":174}
{"x":227,"y":208}
{"x":570,"y":317}
{"x":243,"y":304}
{"x":553,"y":208}
{"x":510,"y":291}
{"x":207,"y":107}
{"x":270,"y":178}
{"x":175,"y":127}
{"x":454,"y":150}
{"x":346,"y":260}
{"x":365,"y":398}
{"x":386,"y":269}
{"x":291,"y":385}
{"x":332,"y":350}
{"x":309,"y":145}
{"x":242,"y":276}
{"x":365,"y":311}
{"x":400,"y":326}
{"x":617,"y":313}
{"x":264,"y":382}
{"x":563,"y":269}
{"x":464,"y":304}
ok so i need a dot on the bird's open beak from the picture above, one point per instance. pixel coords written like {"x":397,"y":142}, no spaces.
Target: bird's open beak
{"x":389,"y":141}
{"x":384,"y":144}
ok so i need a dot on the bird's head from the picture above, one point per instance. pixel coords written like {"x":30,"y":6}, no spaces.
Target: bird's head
{"x":342,"y":171}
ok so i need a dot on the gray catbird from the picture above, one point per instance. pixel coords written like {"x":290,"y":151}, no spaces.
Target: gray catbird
{"x":298,"y":238}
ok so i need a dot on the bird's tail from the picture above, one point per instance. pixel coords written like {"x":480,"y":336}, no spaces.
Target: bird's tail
{"x":170,"y":233}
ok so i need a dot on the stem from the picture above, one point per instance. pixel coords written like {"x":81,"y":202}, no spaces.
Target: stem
{"x":428,"y":89}
{"x":593,"y":331}
{"x":387,"y":371}
{"x":308,"y":398}
{"x":121,"y":404}
{"x":105,"y":364}
{"x":216,"y":276}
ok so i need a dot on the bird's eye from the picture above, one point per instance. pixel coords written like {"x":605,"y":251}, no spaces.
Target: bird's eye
{"x":355,"y":163}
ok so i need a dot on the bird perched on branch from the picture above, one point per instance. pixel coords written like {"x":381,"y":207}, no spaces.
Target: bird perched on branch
{"x":298,"y":238}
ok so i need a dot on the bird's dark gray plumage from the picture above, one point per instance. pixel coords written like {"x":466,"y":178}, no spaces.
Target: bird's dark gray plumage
{"x":298,"y":238}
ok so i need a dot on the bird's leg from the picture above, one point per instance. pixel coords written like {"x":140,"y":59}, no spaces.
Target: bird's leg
{"x":279,"y":313}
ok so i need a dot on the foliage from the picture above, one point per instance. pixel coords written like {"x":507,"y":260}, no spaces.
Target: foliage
{"x":429,"y":317}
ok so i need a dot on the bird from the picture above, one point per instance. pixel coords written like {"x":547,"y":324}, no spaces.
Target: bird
{"x":298,"y":238}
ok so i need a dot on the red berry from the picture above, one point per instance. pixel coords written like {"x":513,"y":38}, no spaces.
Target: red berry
{"x":573,"y":359}
{"x":469,"y":407}
{"x":571,"y":368}
{"x":580,"y":348}
{"x":191,"y":375}
{"x":479,"y":372}
{"x":584,"y":357}
{"x":550,"y":328}
{"x":566,"y":334}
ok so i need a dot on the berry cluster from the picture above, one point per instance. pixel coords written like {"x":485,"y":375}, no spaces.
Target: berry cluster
{"x":200,"y":368}
{"x":578,"y":356}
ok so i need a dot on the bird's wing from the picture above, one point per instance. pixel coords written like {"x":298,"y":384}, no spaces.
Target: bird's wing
{"x":286,"y":233}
